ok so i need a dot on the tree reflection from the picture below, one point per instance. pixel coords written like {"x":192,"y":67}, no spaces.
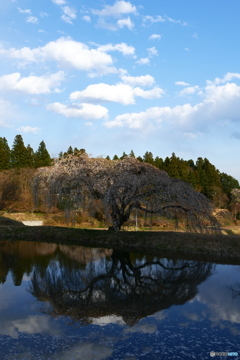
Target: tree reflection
{"x":121,"y":286}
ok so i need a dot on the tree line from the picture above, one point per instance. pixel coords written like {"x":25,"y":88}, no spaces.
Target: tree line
{"x":202,"y":175}
{"x":21,"y":156}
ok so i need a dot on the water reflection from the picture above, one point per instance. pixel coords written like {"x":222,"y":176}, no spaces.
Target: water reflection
{"x":121,"y":285}
{"x":125,"y":300}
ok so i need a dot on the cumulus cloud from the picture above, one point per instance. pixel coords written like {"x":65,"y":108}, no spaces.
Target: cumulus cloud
{"x":152,"y":51}
{"x":118,"y":9}
{"x":144,"y":80}
{"x":69,"y":14}
{"x":32,"y":84}
{"x":81,"y":111}
{"x":121,"y":93}
{"x":29,"y":129}
{"x":121,"y":47}
{"x":155,"y":37}
{"x":181,"y":83}
{"x":220,"y":103}
{"x":125,"y":23}
{"x":86,"y":18}
{"x":228,"y":77}
{"x":66,"y":52}
{"x":143,"y":61}
{"x":188,"y":90}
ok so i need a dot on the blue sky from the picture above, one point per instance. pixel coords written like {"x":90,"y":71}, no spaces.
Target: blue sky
{"x":159,"y":76}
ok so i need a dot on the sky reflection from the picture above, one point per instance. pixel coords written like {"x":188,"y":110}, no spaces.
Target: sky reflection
{"x":79,"y":303}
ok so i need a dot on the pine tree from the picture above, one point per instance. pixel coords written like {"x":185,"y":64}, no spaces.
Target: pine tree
{"x":132,"y":154}
{"x":115,"y":157}
{"x":4,"y":154}
{"x":19,"y":153}
{"x":42,"y":157}
{"x":30,"y":157}
{"x":148,"y":158}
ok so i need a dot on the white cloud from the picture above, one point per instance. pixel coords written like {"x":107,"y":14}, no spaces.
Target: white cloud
{"x":69,"y":14}
{"x":43,"y":14}
{"x":228,"y":77}
{"x":153,"y":19}
{"x":86,"y":18}
{"x":158,"y":18}
{"x":154,"y":93}
{"x":180,"y":22}
{"x":125,"y":23}
{"x":66,"y":52}
{"x":220,"y":103}
{"x":32,"y":20}
{"x":189,"y":90}
{"x":81,"y":111}
{"x":144,"y":80}
{"x":121,"y":93}
{"x":195,"y":35}
{"x":29,"y":325}
{"x":24,"y":11}
{"x":152,"y":51}
{"x":29,"y":129}
{"x":32,"y":84}
{"x":155,"y":37}
{"x":117,"y":10}
{"x":181,"y":83}
{"x":143,"y":61}
{"x":122,"y":47}
{"x":59,"y":2}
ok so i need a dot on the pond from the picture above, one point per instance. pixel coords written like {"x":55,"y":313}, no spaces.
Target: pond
{"x":61,"y":302}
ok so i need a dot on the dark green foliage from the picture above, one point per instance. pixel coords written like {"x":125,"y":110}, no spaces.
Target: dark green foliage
{"x":108,"y":157}
{"x":132,"y":154}
{"x":42,"y":157}
{"x":19,"y":154}
{"x":148,"y":158}
{"x":228,"y":183}
{"x":4,"y":154}
{"x":115,"y":157}
{"x":123,"y":155}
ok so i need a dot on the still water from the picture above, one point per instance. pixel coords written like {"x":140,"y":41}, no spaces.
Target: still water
{"x":60,"y":302}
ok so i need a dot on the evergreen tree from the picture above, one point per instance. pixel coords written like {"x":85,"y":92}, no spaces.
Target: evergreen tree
{"x":30,"y":157}
{"x":4,"y":154}
{"x":158,"y":162}
{"x":70,"y":150}
{"x":115,"y":157}
{"x":19,"y":153}
{"x":132,"y":154}
{"x":60,"y":155}
{"x":148,"y":158}
{"x":123,"y":155}
{"x":228,"y":183}
{"x":108,"y":157}
{"x":42,"y":157}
